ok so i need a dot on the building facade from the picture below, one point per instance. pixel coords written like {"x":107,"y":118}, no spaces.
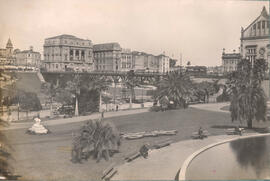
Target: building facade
{"x":7,"y":54}
{"x":27,"y":58}
{"x":107,"y":57}
{"x":67,"y":52}
{"x":255,"y":38}
{"x":126,"y":60}
{"x":230,"y":61}
{"x":164,"y":63}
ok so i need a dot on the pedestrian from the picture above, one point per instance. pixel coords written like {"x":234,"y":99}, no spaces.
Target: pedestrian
{"x":102,"y":113}
{"x":200,"y":133}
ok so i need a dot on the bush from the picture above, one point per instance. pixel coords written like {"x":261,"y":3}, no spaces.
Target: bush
{"x":96,"y":138}
{"x":155,"y":108}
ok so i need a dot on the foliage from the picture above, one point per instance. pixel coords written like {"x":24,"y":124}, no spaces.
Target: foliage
{"x":177,"y":87}
{"x":28,"y":101}
{"x":203,"y":90}
{"x":248,"y":100}
{"x":86,"y":89}
{"x":172,"y":62}
{"x":96,"y":138}
{"x":155,"y":109}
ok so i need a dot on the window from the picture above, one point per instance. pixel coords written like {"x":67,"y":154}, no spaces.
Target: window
{"x":56,"y":66}
{"x":254,"y":26}
{"x":263,"y":24}
{"x":259,"y":25}
{"x":267,"y":24}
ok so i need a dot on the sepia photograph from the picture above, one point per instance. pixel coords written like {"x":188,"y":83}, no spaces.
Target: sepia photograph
{"x":119,"y":90}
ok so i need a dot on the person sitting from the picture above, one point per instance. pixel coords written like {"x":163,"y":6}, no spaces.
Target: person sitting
{"x":238,"y":130}
{"x":144,"y":151}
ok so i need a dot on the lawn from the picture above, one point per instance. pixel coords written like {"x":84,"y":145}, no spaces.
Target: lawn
{"x":48,"y":156}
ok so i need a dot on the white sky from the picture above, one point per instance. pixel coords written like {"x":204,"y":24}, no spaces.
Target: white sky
{"x":199,"y":29}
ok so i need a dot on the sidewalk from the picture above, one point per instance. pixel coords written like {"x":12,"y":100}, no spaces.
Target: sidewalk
{"x":163,"y":164}
{"x":13,"y":126}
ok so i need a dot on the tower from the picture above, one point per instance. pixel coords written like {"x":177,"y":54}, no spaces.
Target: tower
{"x":9,"y":48}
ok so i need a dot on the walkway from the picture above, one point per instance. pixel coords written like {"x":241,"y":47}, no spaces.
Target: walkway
{"x":216,"y":107}
{"x":163,"y":164}
{"x":76,"y":119}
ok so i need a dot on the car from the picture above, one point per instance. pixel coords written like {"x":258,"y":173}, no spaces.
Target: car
{"x":66,"y":110}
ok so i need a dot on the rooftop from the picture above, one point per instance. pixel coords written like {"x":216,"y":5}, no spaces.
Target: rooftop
{"x":65,"y":36}
{"x":107,"y":46}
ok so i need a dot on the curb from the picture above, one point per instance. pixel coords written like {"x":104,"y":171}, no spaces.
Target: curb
{"x":182,"y":174}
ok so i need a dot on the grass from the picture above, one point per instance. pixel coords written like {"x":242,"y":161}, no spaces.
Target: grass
{"x":48,"y":156}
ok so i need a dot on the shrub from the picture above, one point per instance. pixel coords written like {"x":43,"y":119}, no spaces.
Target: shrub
{"x":155,"y":108}
{"x":96,"y":138}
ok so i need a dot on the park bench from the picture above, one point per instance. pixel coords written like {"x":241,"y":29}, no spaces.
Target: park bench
{"x":195,"y":135}
{"x":233,"y":131}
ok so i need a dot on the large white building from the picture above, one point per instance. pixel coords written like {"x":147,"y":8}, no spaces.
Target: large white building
{"x":67,"y":52}
{"x":255,"y":38}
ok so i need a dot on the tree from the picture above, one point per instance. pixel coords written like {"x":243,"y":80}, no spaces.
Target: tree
{"x":172,"y":62}
{"x":177,"y":86}
{"x":130,"y":81}
{"x":248,"y":101}
{"x":99,"y":139}
{"x":50,"y":90}
{"x":82,"y":84}
{"x":29,"y":102}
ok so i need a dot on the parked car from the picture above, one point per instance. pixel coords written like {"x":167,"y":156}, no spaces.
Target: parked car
{"x":66,"y":110}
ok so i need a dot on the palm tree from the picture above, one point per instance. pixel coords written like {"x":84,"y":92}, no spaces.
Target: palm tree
{"x":177,"y":86}
{"x":248,"y":101}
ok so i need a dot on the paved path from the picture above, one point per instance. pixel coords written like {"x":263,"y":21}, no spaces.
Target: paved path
{"x":76,"y":119}
{"x":216,"y":107}
{"x":163,"y":164}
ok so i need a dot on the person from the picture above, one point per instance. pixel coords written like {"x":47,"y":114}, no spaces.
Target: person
{"x":144,"y":151}
{"x":102,"y":113}
{"x":238,"y":130}
{"x":116,"y":107}
{"x":200,"y":133}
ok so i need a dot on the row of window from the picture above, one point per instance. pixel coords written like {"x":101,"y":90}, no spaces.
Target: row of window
{"x":68,"y":42}
{"x":261,"y":24}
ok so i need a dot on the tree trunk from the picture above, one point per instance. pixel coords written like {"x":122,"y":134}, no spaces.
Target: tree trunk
{"x":18,"y":106}
{"x":130,"y":101}
{"x":76,"y":107}
{"x":51,"y":108}
{"x":249,"y":123}
{"x":100,"y":101}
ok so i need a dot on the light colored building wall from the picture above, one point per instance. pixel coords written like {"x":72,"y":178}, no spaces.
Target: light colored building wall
{"x":66,"y":52}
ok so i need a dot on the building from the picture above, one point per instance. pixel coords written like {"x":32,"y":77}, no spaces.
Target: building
{"x":7,"y":55}
{"x":230,"y":61}
{"x":67,"y":52}
{"x":126,"y":60}
{"x":164,"y":63}
{"x":107,"y":57}
{"x":27,"y":58}
{"x":216,"y":70}
{"x":255,"y":38}
{"x":255,"y":42}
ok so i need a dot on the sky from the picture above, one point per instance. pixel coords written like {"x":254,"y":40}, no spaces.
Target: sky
{"x":197,"y":29}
